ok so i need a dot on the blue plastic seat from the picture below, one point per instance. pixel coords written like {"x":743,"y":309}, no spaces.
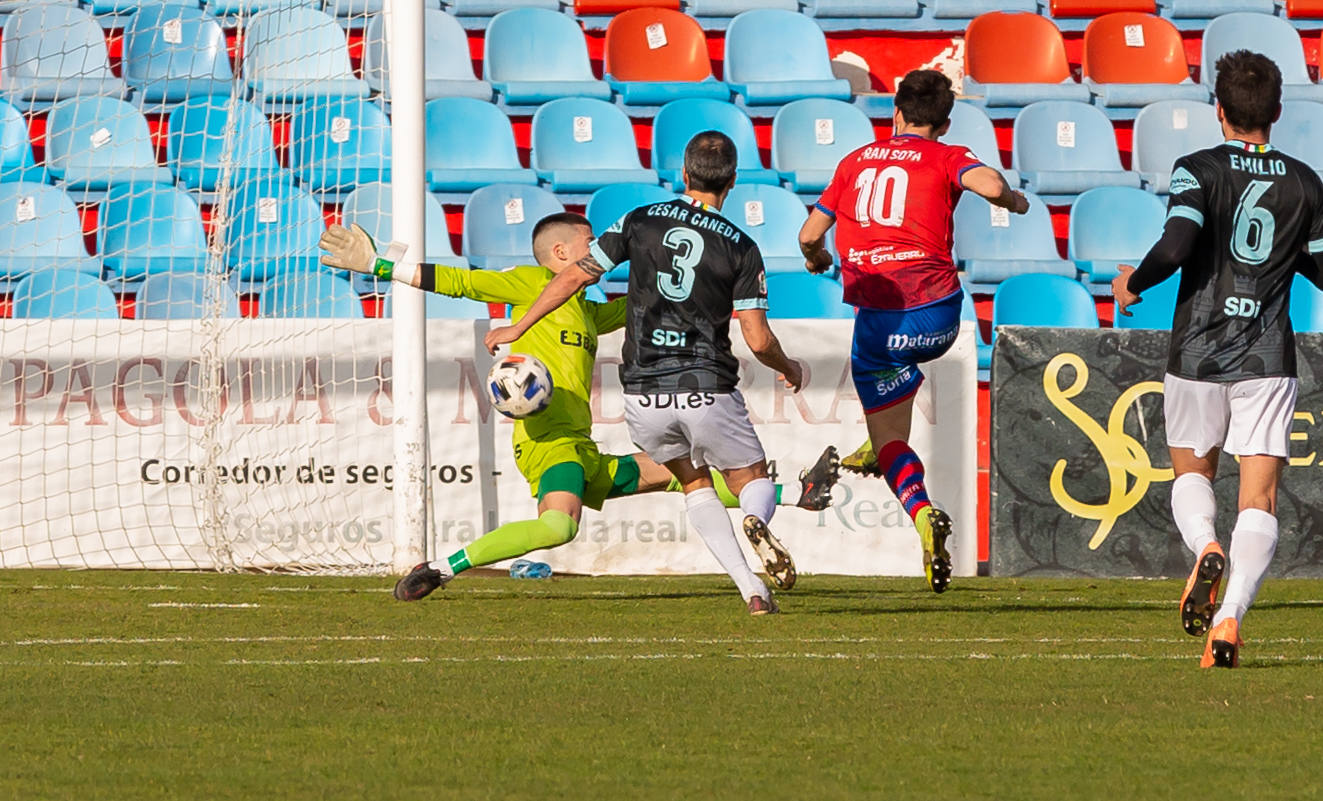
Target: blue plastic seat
{"x":1043,"y":300}
{"x":488,"y":8}
{"x":183,"y":296}
{"x":470,"y":144}
{"x":273,"y":229}
{"x":39,"y":228}
{"x":1170,"y":129}
{"x":372,"y":207}
{"x":811,"y":136}
{"x":1113,"y":225}
{"x":449,"y":71}
{"x":1155,"y":310}
{"x":196,"y":146}
{"x":731,"y":8}
{"x":1208,"y":9}
{"x":172,"y":52}
{"x":355,"y":11}
{"x":570,"y":157}
{"x":498,"y":224}
{"x":982,"y":349}
{"x":775,"y":55}
{"x":1061,"y":147}
{"x":610,"y":203}
{"x":1299,"y":132}
{"x":992,"y":245}
{"x":50,"y":51}
{"x":678,"y":121}
{"x":231,"y":7}
{"x":862,"y":9}
{"x":1272,"y":36}
{"x":802,"y":295}
{"x":971,"y":127}
{"x":292,"y":54}
{"x":61,"y":295}
{"x":114,"y":7}
{"x":337,"y":143}
{"x":532,"y":55}
{"x":777,"y":235}
{"x":94,"y":143}
{"x":16,"y":159}
{"x":148,"y":228}
{"x":968,"y":9}
{"x":441,"y":307}
{"x":1306,"y":306}
{"x":309,"y":295}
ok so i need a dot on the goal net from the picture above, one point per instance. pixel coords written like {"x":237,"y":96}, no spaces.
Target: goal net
{"x":185,"y":386}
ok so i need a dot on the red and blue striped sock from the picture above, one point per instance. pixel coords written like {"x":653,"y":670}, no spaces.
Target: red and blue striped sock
{"x":904,"y":474}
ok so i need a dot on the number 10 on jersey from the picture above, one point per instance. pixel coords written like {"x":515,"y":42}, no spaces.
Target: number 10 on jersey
{"x":881,"y":196}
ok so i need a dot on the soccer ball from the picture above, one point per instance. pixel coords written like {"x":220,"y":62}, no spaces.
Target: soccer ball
{"x":519,"y":385}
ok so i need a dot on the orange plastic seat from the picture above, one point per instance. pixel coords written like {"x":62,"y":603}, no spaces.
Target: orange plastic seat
{"x":1110,"y":58}
{"x":1014,"y":47}
{"x":629,"y":56}
{"x":590,"y":8}
{"x":1304,"y":9}
{"x":1095,"y":8}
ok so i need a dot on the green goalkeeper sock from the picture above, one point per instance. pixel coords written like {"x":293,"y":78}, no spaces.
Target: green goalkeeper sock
{"x":727,"y":497}
{"x":552,"y":528}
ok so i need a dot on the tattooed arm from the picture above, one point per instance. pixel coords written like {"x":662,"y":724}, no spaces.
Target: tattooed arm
{"x":564,"y":286}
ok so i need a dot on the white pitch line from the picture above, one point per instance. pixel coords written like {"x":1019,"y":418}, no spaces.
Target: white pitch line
{"x":181,"y":605}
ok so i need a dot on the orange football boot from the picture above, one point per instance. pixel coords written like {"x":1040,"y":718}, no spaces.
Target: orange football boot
{"x":1223,"y":647}
{"x":1200,"y":596}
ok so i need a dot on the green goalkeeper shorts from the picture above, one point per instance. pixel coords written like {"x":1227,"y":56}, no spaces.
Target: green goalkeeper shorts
{"x":601,"y":476}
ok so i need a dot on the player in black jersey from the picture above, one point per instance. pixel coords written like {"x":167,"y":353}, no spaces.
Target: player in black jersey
{"x":690,"y":270}
{"x":1239,"y":217}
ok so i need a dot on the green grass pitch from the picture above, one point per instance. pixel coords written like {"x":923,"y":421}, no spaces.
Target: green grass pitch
{"x":130,"y":685}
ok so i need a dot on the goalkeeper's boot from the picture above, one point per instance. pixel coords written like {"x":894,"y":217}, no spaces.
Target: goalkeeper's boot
{"x":863,"y":461}
{"x":934,"y":527}
{"x":816,"y":482}
{"x":1200,"y":596}
{"x":419,"y":583}
{"x":774,"y":556}
{"x":759,"y":605}
{"x":1223,"y":646}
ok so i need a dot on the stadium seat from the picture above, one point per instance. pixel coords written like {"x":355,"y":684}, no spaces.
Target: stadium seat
{"x":1306,"y":306}
{"x":449,"y":68}
{"x":1043,"y":300}
{"x":1014,"y":59}
{"x":1304,"y":9}
{"x":116,"y":7}
{"x":581,"y":144}
{"x":732,"y":8}
{"x":1167,"y":130}
{"x":982,"y":349}
{"x":1061,"y":147}
{"x":440,"y":307}
{"x":862,"y":9}
{"x":968,"y":9}
{"x":775,"y":55}
{"x":679,"y":120}
{"x":801,"y":295}
{"x":1263,"y":33}
{"x":1135,"y":59}
{"x":273,"y":229}
{"x":147,"y":228}
{"x":232,"y":7}
{"x":1099,"y":8}
{"x":309,"y":295}
{"x":610,"y":203}
{"x":372,"y":205}
{"x":1158,"y":304}
{"x":1207,"y":9}
{"x":971,"y":127}
{"x":292,"y":54}
{"x":197,"y":146}
{"x":1113,"y":225}
{"x":39,"y":228}
{"x":593,"y":8}
{"x":16,"y":160}
{"x":173,"y":52}
{"x":992,"y":245}
{"x":498,"y":224}
{"x":532,"y":55}
{"x":1299,"y":132}
{"x":50,"y":51}
{"x":356,"y":12}
{"x":93,"y":143}
{"x":337,"y":143}
{"x":655,"y":55}
{"x":470,"y":144}
{"x":183,"y":296}
{"x":772,"y":216}
{"x":488,"y":8}
{"x":61,"y":295}
{"x":811,"y":136}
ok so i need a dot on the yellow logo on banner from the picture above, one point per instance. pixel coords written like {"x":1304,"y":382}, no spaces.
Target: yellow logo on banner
{"x":1124,"y":456}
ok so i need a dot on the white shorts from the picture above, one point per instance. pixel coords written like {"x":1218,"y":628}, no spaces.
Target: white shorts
{"x":709,"y":428}
{"x":1244,"y":418}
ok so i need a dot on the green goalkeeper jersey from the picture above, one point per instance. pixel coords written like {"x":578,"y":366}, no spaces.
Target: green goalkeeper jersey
{"x":565,"y":341}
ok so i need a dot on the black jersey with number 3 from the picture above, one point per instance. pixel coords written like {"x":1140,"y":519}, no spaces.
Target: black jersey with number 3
{"x":690,"y":269}
{"x":1257,"y":208}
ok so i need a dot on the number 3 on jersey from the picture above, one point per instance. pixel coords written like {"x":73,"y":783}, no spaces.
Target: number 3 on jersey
{"x":688,"y":247}
{"x":881,"y":196}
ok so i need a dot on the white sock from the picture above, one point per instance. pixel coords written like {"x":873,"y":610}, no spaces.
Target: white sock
{"x":1253,"y":542}
{"x":708,"y":516}
{"x":1194,"y":507}
{"x":758,"y":498}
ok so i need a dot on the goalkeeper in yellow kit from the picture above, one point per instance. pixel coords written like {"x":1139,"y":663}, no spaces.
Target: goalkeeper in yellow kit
{"x":554,"y":449}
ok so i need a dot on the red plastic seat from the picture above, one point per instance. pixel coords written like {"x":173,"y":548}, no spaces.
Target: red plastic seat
{"x":1304,"y":9}
{"x":1108,"y":58}
{"x":1095,"y":8}
{"x":629,"y":58}
{"x":1015,"y":47}
{"x":598,"y":8}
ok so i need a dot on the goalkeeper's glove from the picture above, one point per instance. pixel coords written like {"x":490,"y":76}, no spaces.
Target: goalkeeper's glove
{"x":353,"y":249}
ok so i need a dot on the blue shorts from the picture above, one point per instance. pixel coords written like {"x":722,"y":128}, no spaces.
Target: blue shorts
{"x":889,"y":346}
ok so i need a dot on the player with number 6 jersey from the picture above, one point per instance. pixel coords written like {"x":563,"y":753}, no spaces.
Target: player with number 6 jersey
{"x":892,"y":203}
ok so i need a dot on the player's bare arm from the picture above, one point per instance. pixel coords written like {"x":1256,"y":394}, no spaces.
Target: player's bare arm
{"x":758,"y":335}
{"x":1163,"y":259}
{"x":564,"y":286}
{"x":991,"y":185}
{"x":812,"y":241}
